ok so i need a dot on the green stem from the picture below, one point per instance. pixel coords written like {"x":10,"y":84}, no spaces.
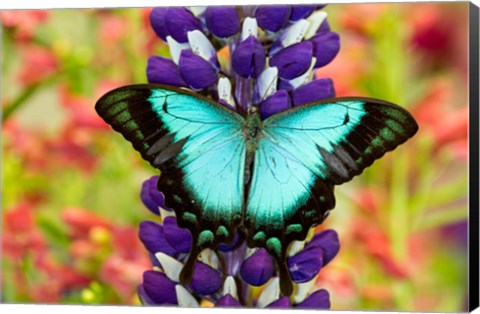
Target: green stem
{"x":26,"y":94}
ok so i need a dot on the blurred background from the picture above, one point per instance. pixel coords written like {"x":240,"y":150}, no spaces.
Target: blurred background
{"x":71,"y":205}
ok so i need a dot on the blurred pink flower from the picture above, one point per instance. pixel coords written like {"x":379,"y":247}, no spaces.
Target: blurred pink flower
{"x":446,"y":124}
{"x":24,"y":22}
{"x":38,"y":63}
{"x":81,"y":221}
{"x":440,"y":33}
{"x":124,"y":268}
{"x":377,"y":244}
{"x":20,"y":235}
{"x":112,"y":29}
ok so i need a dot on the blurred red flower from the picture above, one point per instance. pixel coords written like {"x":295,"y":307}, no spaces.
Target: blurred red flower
{"x":21,"y":235}
{"x":38,"y":63}
{"x":80,"y":222}
{"x":124,"y":268}
{"x":112,"y":29}
{"x":24,"y":22}
{"x":445,"y":123}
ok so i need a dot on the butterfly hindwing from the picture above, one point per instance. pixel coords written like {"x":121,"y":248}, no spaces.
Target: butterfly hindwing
{"x":199,"y":148}
{"x":302,"y":153}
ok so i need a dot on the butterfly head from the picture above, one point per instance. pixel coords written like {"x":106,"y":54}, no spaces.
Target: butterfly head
{"x":253,"y":110}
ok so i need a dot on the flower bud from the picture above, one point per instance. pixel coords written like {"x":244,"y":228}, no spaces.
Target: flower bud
{"x":248,"y":58}
{"x":222,"y":21}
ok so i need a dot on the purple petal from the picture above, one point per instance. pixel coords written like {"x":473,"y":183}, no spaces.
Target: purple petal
{"x":178,"y":238}
{"x":248,"y":59}
{"x":301,"y":11}
{"x":284,"y":84}
{"x":154,"y":260}
{"x":228,"y":301}
{"x":228,"y":247}
{"x":222,"y":21}
{"x":320,"y":299}
{"x":329,"y":243}
{"x":205,"y":280}
{"x":196,"y":71}
{"x":272,"y":18}
{"x":325,"y":47}
{"x":305,"y":265}
{"x":313,"y":91}
{"x":157,"y":20}
{"x":283,"y":302}
{"x":143,"y":296}
{"x":159,"y":288}
{"x":152,"y":236}
{"x":258,"y":268}
{"x":324,"y":27}
{"x":278,"y":101}
{"x":164,"y":71}
{"x":179,"y":22}
{"x":294,"y":60}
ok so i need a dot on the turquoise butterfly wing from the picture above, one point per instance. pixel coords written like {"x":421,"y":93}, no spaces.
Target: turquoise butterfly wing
{"x":299,"y":155}
{"x":198,"y":146}
{"x":302,"y":153}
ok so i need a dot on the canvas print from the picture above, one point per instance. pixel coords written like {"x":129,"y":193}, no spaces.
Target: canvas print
{"x":270,"y":156}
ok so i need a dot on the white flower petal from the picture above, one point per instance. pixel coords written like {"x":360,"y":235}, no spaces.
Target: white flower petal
{"x":224,"y":88}
{"x":230,"y":287}
{"x":200,"y":45}
{"x":176,"y":48}
{"x":305,"y":77}
{"x":270,"y":293}
{"x":166,"y":213}
{"x":295,"y":33}
{"x":209,"y":257}
{"x":315,"y":20}
{"x":197,"y":10}
{"x":249,"y":27}
{"x":295,"y":247}
{"x":303,"y":290}
{"x":171,"y":266}
{"x":267,"y":82}
{"x":184,"y":298}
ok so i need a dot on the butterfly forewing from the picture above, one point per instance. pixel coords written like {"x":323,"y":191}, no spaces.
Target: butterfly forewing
{"x":199,"y":148}
{"x":302,"y":153}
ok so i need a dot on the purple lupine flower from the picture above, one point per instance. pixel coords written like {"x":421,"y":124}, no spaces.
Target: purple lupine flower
{"x":274,"y":52}
{"x":169,"y":245}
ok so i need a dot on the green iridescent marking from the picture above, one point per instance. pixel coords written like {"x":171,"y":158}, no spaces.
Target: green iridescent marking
{"x":123,"y":116}
{"x":259,"y":236}
{"x":378,"y":141}
{"x":275,"y":246}
{"x":294,"y":228}
{"x":322,"y":198}
{"x":117,"y":108}
{"x":387,"y":134}
{"x":368,"y":150}
{"x":131,"y":125}
{"x":395,"y":113}
{"x":187,"y":216}
{"x":310,"y":213}
{"x":222,"y":232}
{"x":394,"y":125}
{"x":205,"y":237}
{"x":359,"y":160}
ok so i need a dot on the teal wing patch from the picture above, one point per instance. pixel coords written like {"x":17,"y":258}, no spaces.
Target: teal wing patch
{"x":302,"y":153}
{"x":200,"y":150}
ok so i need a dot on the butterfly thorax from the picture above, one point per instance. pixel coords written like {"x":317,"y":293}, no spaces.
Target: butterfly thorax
{"x":251,"y":131}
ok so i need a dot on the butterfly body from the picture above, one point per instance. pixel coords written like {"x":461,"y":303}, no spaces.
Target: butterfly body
{"x":273,"y":179}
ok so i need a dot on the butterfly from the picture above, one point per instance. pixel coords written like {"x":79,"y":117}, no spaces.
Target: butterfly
{"x":272,"y":179}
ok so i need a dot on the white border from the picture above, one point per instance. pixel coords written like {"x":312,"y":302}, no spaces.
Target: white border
{"x":50,"y":4}
{"x":80,"y":309}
